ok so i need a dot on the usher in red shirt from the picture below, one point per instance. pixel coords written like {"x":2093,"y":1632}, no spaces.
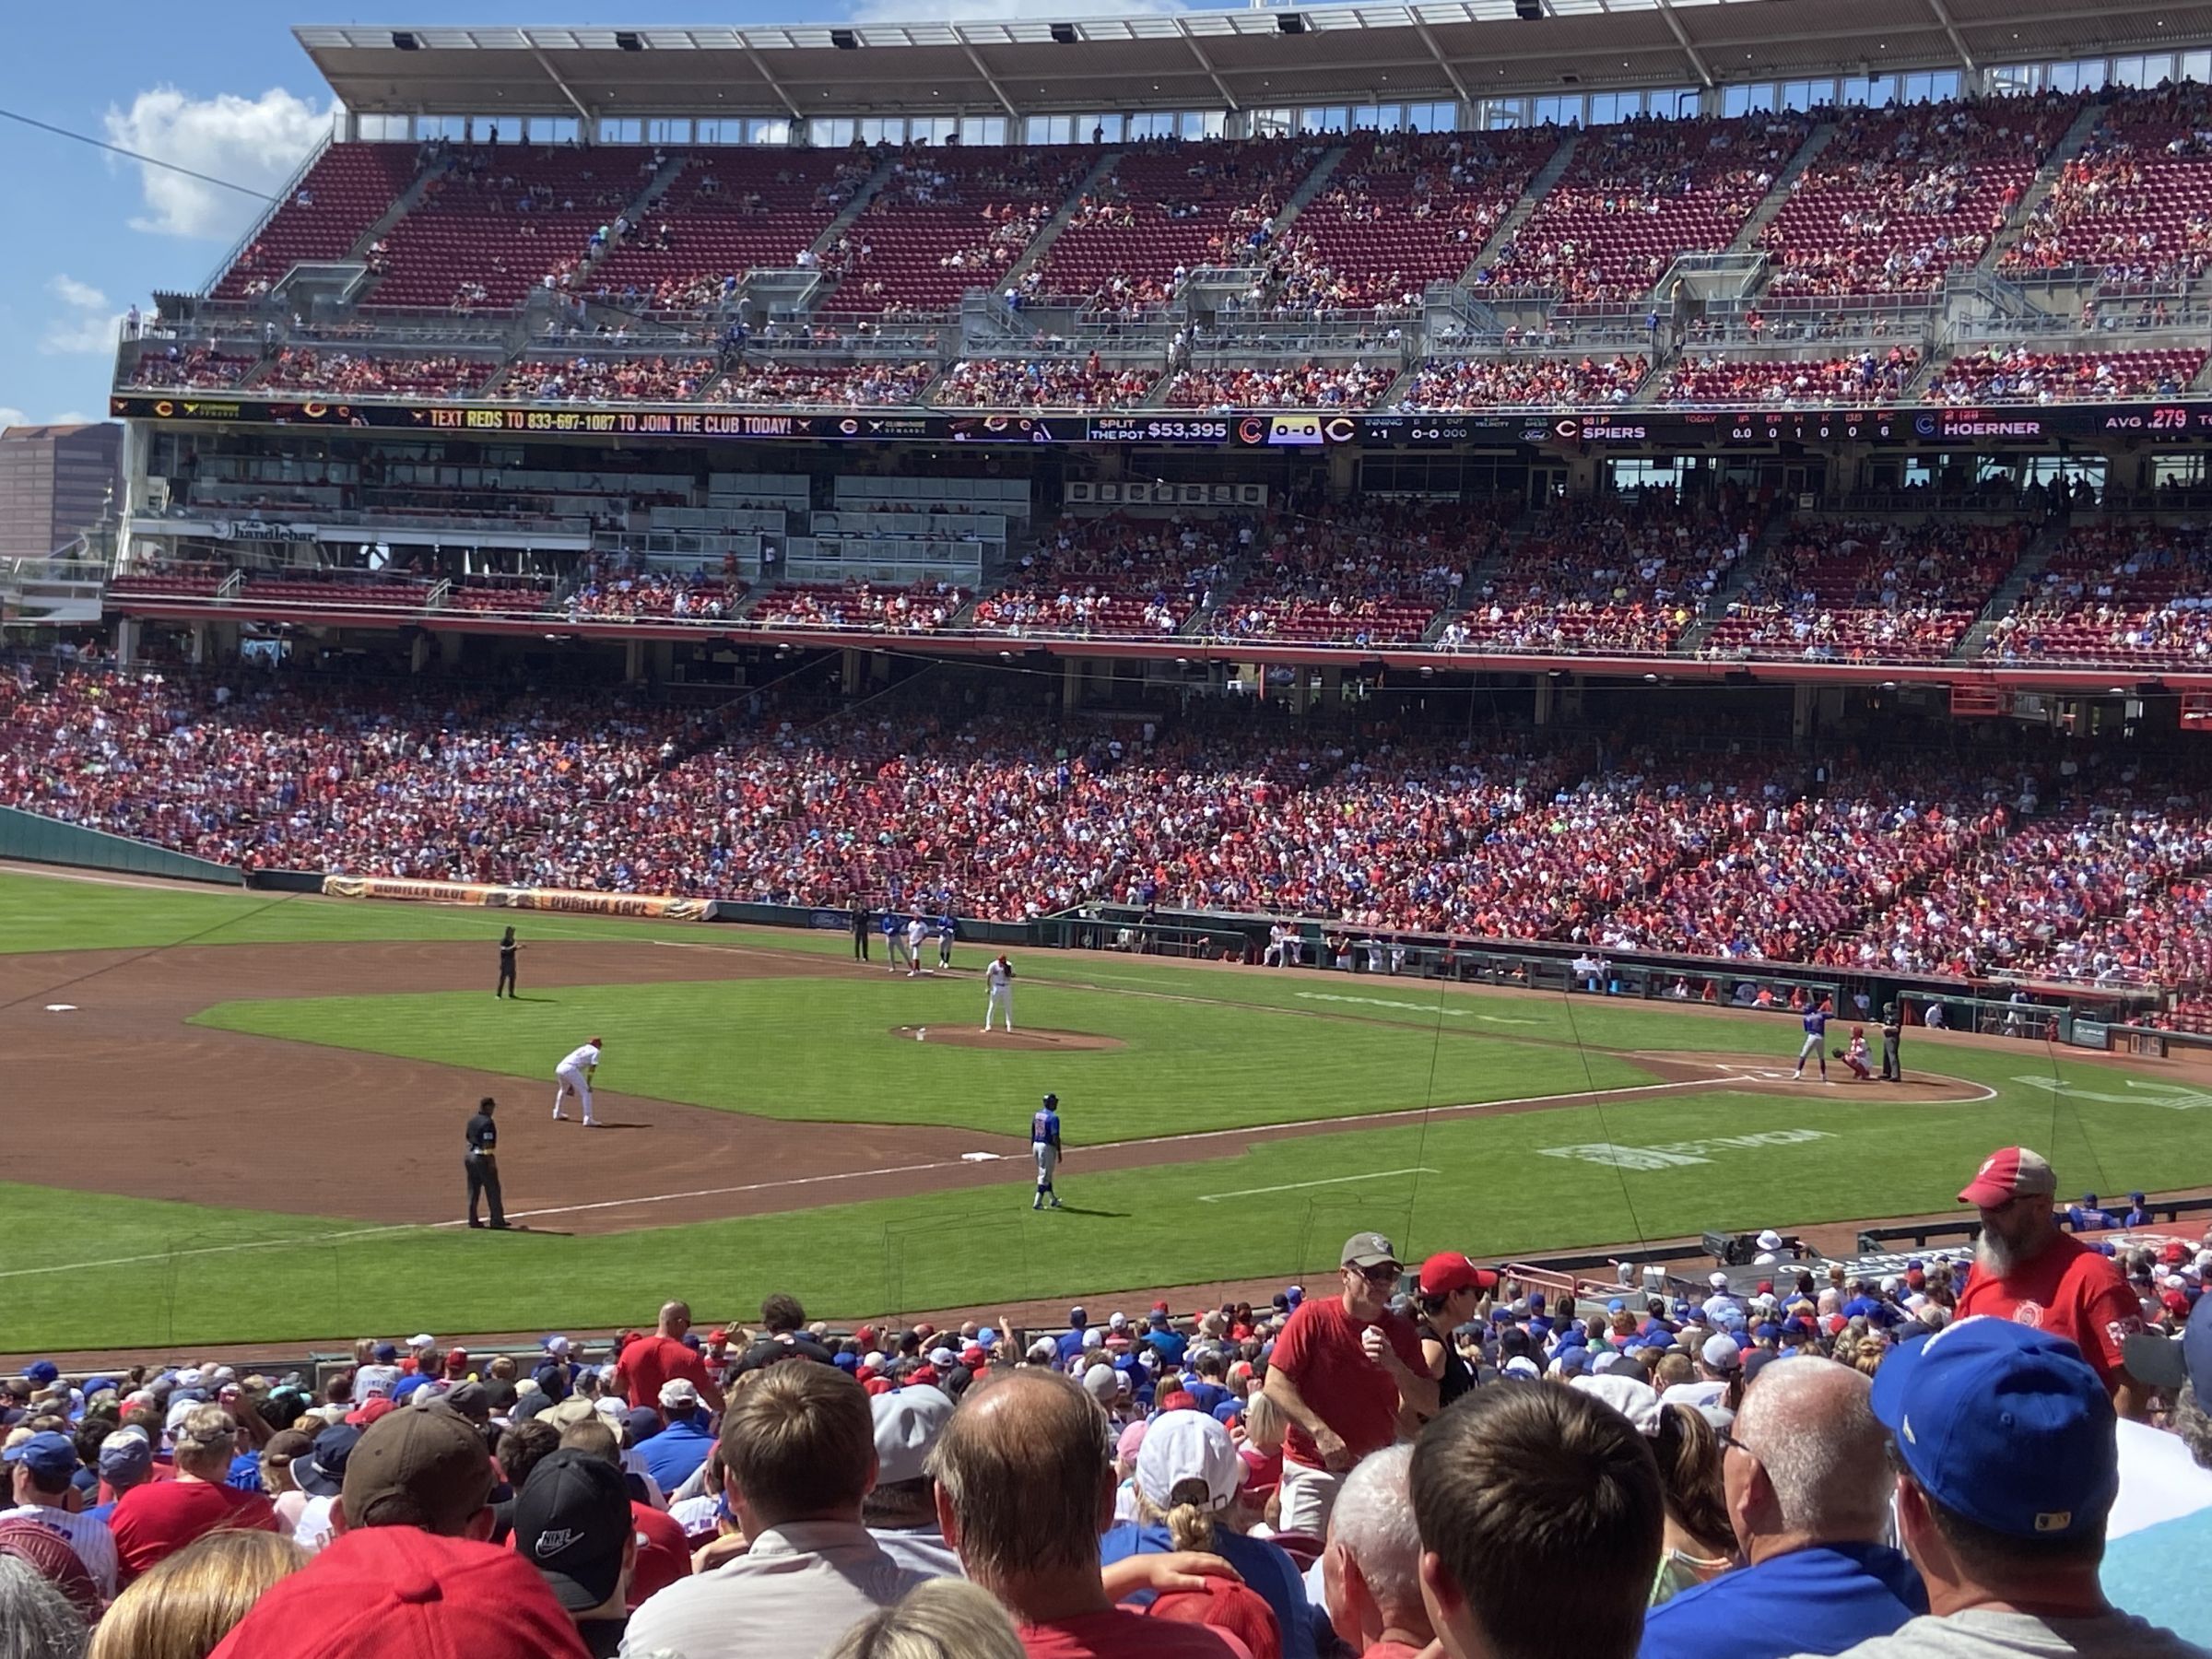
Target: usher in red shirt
{"x":1319,"y":1350}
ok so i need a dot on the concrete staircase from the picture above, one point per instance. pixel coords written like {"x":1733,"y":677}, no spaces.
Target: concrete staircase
{"x":1510,"y":226}
{"x":2009,"y":593}
{"x":1310,"y":187}
{"x":1785,"y":182}
{"x":2046,"y":180}
{"x":1716,"y":606}
{"x":1042,"y":243}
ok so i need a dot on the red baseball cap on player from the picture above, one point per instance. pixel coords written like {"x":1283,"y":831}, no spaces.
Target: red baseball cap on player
{"x":2013,"y":1172}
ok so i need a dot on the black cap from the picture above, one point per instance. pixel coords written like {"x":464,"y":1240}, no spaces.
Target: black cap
{"x":571,"y":1521}
{"x":1052,"y":1099}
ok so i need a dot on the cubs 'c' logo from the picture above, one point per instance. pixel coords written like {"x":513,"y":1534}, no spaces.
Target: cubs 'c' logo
{"x":2028,"y":1313}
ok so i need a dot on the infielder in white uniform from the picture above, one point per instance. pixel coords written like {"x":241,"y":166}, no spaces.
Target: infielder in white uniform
{"x":917,"y":933}
{"x":574,"y":1076}
{"x":999,"y":999}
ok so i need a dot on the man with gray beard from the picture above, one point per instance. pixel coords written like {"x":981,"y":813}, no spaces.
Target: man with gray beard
{"x":2031,"y":1271}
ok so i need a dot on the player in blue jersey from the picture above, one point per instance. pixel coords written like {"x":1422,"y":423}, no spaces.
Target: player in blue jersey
{"x":1044,"y":1141}
{"x":1815,"y":1032}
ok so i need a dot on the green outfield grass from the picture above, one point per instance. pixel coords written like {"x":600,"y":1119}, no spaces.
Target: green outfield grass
{"x":1493,"y":1186}
{"x":825,"y":1050}
{"x":1202,"y":1048}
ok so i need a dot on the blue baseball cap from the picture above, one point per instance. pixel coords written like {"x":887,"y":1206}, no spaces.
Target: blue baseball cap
{"x":2005,"y":1425}
{"x":52,"y":1457}
{"x":42,"y":1372}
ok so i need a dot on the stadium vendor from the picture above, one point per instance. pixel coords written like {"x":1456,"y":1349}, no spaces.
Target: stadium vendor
{"x":2030,"y":1270}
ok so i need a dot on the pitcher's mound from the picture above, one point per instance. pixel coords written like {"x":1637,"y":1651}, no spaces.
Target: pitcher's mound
{"x":959,"y":1036}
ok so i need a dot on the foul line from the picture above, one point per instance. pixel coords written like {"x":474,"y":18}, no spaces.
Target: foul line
{"x":1292,"y":1186}
{"x":756,"y":1186}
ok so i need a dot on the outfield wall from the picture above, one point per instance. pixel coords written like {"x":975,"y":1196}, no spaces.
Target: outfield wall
{"x":36,"y":838}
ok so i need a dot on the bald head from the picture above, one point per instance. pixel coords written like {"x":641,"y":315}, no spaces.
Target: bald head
{"x":1023,"y":1482}
{"x":676,"y":1318}
{"x":1811,"y":1425}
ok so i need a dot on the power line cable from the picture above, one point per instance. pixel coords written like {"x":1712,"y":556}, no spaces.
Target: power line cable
{"x":117,"y":150}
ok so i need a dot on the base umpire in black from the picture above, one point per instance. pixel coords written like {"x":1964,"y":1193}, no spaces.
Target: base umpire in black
{"x":481,"y":1162}
{"x":1893,"y":1030}
{"x":859,"y":915}
{"x":507,"y":949}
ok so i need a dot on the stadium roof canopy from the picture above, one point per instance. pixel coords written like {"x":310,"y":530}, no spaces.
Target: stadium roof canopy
{"x":1269,"y":58}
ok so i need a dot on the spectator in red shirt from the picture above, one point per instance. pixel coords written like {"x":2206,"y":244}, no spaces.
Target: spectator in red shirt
{"x":651,"y":1362}
{"x":1024,"y":1490}
{"x":1531,"y":1499}
{"x":1342,"y":1370}
{"x":2028,"y":1270}
{"x":153,"y":1521}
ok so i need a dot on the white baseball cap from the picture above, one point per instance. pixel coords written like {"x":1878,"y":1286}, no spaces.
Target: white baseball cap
{"x":1187,"y":1445}
{"x":1719,"y":1281}
{"x":678,"y":1394}
{"x":907,"y":1422}
{"x":1769,"y":1239}
{"x":424,"y":1340}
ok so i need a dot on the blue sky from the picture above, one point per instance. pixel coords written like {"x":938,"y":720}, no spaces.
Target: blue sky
{"x":224,"y":89}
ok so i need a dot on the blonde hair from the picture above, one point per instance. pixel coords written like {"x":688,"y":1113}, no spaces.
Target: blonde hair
{"x":186,"y":1604}
{"x":1189,"y":1516}
{"x":942,"y":1618}
{"x":1264,"y":1422}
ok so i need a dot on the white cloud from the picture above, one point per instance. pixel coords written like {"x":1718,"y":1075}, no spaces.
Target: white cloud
{"x":9,"y":416}
{"x":255,"y":142}
{"x":86,"y":327}
{"x":73,"y":417}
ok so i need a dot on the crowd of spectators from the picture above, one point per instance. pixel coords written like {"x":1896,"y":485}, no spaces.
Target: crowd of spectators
{"x":2115,"y":592}
{"x":1043,"y":382}
{"x":1510,"y":382}
{"x":1428,"y":1456}
{"x":920,"y":607}
{"x":1637,"y":194}
{"x":1379,"y":574}
{"x":375,"y":374}
{"x":1312,"y":385}
{"x":1620,"y":574}
{"x":2017,"y":374}
{"x":1115,"y":575}
{"x":1898,"y":196}
{"x":2134,"y":206}
{"x":1862,"y":377}
{"x":205,"y":366}
{"x":597,"y":380}
{"x":614,"y":587}
{"x":1867,"y":591}
{"x":842,"y":385}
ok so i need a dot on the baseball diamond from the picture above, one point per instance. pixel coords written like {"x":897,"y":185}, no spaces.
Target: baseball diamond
{"x":768,"y":1117}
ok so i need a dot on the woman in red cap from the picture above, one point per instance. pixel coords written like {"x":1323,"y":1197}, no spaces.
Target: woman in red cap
{"x":1451,"y":1292}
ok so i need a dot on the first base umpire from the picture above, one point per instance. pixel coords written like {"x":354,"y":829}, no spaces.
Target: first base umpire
{"x":481,"y":1162}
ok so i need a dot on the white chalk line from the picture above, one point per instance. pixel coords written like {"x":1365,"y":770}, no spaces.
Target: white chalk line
{"x":1292,"y":1186}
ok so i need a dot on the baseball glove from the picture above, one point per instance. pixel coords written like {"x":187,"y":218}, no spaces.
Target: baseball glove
{"x":1836,"y":1053}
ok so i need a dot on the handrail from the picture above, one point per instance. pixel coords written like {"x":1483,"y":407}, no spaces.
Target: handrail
{"x":284,"y":194}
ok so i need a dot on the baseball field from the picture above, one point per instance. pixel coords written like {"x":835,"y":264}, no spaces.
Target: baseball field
{"x":232,"y":1117}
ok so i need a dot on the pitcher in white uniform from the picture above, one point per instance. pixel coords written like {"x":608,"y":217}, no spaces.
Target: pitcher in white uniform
{"x":999,"y":977}
{"x":574,"y":1076}
{"x":917,"y":931}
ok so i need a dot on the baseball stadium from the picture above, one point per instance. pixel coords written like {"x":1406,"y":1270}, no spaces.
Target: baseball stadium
{"x":953,"y":668}
{"x":1372,"y":609}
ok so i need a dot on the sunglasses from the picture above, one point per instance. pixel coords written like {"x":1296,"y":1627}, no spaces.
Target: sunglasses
{"x":1387,"y":1274}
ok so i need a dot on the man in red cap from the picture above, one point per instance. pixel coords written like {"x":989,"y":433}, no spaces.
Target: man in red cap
{"x":2030,"y":1270}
